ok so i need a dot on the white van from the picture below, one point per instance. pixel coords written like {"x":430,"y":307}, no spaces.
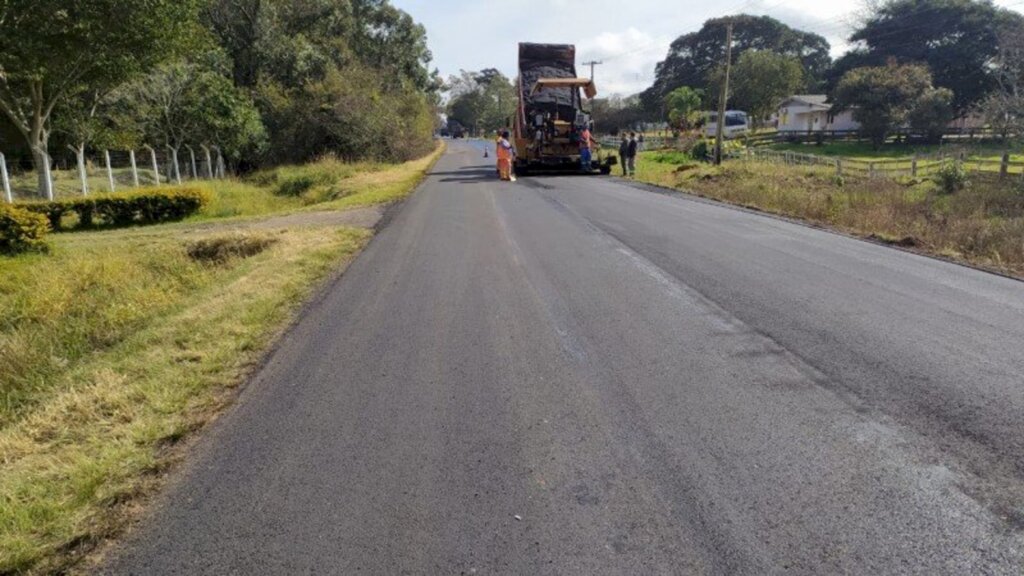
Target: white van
{"x":736,"y":124}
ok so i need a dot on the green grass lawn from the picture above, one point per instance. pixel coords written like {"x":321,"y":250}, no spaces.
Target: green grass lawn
{"x":116,"y":344}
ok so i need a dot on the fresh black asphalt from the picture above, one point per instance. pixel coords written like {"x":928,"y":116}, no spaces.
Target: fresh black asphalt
{"x":569,"y":375}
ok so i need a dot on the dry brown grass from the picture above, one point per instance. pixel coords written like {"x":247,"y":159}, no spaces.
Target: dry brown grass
{"x":982,"y":225}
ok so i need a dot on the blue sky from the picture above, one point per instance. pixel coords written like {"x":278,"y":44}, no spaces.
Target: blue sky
{"x":631,"y":36}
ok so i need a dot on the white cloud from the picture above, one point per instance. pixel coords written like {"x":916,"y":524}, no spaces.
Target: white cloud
{"x":628,"y":59}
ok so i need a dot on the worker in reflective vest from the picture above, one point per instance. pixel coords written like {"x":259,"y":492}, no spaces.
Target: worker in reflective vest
{"x":585,"y":144}
{"x":505,"y":153}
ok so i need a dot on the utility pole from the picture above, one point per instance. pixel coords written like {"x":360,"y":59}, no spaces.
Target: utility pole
{"x":593,"y":63}
{"x":724,"y":96}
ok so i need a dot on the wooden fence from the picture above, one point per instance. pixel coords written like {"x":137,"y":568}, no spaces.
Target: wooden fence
{"x":951,"y":136}
{"x":915,"y":166}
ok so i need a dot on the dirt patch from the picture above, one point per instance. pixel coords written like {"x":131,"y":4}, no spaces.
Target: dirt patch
{"x":221,"y":249}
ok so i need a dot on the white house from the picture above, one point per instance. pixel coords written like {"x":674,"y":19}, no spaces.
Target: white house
{"x":812,"y":113}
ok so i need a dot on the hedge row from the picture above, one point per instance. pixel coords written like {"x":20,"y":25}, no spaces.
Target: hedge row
{"x":21,"y":230}
{"x":145,"y":206}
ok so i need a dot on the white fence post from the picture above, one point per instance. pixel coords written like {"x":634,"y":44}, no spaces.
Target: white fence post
{"x":110,"y":170}
{"x":174,"y":164}
{"x":7,"y":181}
{"x":192,"y":156}
{"x":156,"y":167}
{"x":209,"y":162}
{"x":80,"y":160}
{"x":220,"y":163}
{"x":48,"y":176}
{"x":135,"y":168}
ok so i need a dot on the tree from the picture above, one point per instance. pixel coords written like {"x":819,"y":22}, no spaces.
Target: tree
{"x":882,"y":97}
{"x":692,"y":57}
{"x":483,"y":100}
{"x":295,"y":56}
{"x":52,"y":48}
{"x":1004,"y":113}
{"x":1009,"y":61}
{"x":1003,"y":108}
{"x":956,"y":39}
{"x":683,"y":105}
{"x":616,"y":113}
{"x":760,"y":80}
{"x":932,"y":113}
{"x":193,"y":102}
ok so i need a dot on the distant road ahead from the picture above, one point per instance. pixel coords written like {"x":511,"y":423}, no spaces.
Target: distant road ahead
{"x":574,"y":375}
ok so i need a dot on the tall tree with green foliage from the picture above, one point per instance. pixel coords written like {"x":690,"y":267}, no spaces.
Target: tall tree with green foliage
{"x":693,"y":57}
{"x":932,"y":113}
{"x":956,"y":39}
{"x":482,"y":100}
{"x":329,"y":76}
{"x":684,"y":107}
{"x":192,"y":102}
{"x":50,"y":49}
{"x":760,"y":80}
{"x":882,"y":98}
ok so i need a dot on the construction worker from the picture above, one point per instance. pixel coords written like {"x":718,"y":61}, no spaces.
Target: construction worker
{"x":624,"y":152}
{"x":505,"y":155}
{"x":586,"y":141}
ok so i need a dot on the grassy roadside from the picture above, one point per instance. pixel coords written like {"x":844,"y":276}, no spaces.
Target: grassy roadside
{"x":982,"y":225}
{"x":118,"y":344}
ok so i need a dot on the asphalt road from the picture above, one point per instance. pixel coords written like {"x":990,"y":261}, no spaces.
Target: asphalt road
{"x":572,"y":375}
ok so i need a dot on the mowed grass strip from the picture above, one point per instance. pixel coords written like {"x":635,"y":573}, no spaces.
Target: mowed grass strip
{"x":119,"y":343}
{"x":982,"y":225}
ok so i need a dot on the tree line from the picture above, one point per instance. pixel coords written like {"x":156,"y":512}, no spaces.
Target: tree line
{"x":265,"y":81}
{"x":917,"y":63}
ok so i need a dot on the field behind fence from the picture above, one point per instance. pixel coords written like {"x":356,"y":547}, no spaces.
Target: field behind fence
{"x":71,"y":173}
{"x":912,"y":166}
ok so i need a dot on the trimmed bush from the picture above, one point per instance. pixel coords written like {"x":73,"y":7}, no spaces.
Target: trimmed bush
{"x":144,"y":206}
{"x":951,"y":178}
{"x":21,"y":230}
{"x":224,"y":248}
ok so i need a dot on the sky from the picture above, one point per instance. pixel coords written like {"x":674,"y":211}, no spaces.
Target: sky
{"x":629,"y":36}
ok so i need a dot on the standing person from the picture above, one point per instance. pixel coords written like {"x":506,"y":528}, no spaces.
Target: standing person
{"x":640,"y":142}
{"x":623,"y":152}
{"x":585,"y":144}
{"x":631,"y":155}
{"x":505,"y":156}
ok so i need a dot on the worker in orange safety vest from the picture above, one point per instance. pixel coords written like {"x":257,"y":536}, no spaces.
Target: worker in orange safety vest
{"x":505,"y":154}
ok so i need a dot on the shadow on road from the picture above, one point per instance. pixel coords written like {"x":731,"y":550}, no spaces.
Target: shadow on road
{"x":469,"y":175}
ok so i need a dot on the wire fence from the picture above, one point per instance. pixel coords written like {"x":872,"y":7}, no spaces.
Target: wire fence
{"x":72,"y":173}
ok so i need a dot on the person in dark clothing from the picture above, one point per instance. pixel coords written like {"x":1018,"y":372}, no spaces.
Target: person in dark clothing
{"x":623,"y":152}
{"x":631,"y":155}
